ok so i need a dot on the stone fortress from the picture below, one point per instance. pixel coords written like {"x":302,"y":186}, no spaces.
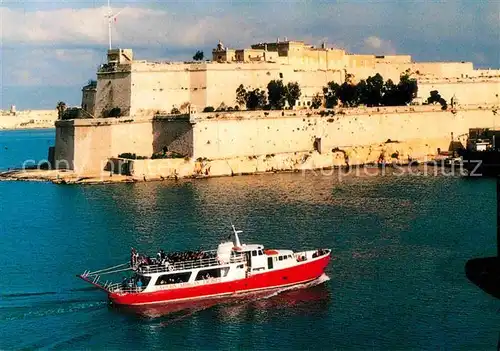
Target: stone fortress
{"x":225,"y":143}
{"x":144,"y":88}
{"x":28,"y":119}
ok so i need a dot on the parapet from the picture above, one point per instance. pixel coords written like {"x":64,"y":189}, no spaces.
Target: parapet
{"x":120,"y":56}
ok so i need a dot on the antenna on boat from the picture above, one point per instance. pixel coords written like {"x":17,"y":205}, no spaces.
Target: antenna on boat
{"x":236,"y":237}
{"x":111,"y":18}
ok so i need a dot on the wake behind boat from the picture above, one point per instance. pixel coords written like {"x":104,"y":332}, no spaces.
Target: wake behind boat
{"x":232,"y":269}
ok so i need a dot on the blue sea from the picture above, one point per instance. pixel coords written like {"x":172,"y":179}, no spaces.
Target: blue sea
{"x":397,"y":281}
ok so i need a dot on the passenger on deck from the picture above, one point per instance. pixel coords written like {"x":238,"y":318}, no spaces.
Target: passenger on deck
{"x":133,"y":257}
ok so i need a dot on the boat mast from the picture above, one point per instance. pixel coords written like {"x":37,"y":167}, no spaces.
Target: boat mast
{"x":236,"y":237}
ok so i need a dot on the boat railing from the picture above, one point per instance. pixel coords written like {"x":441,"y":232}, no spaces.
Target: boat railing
{"x":120,"y":288}
{"x":187,"y":265}
{"x":191,"y":284}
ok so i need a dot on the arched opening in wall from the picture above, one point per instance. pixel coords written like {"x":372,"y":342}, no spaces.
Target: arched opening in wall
{"x":118,"y":166}
{"x":110,"y":167}
{"x":317,"y":145}
{"x":281,"y":75}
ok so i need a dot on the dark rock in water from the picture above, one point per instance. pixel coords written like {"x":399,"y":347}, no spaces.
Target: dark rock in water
{"x":485,"y":273}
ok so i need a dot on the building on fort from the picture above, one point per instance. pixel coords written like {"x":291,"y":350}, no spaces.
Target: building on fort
{"x":144,"y":88}
{"x":225,"y":143}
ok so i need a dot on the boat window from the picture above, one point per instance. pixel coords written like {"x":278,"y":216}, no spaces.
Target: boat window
{"x":254,"y":253}
{"x":240,"y":266}
{"x":260,"y":253}
{"x":212,"y":273}
{"x":269,"y":263}
{"x":280,"y":258}
{"x":173,"y":278}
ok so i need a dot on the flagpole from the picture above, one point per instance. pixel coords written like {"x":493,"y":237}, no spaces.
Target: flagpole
{"x":109,"y":24}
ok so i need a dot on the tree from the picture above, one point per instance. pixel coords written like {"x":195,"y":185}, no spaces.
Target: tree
{"x":330,"y":92}
{"x":390,"y":94}
{"x":199,"y":56}
{"x":60,"y":107}
{"x":370,"y":91}
{"x":277,"y":94}
{"x":175,"y":111}
{"x":209,"y":109}
{"x":348,"y":94}
{"x":256,"y":99}
{"x":292,"y":93}
{"x":241,"y":95}
{"x":72,"y":113}
{"x":316,"y":102}
{"x":435,"y":98}
{"x":407,"y":88}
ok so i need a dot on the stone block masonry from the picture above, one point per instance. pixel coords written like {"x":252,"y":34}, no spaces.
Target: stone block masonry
{"x":221,"y":138}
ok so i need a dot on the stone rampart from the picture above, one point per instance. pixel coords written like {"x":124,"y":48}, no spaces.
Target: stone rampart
{"x":415,"y":131}
{"x":85,"y":145}
{"x":263,"y":133}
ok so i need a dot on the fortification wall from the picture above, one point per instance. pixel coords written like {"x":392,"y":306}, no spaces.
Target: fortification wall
{"x":256,"y":134}
{"x":92,"y":141}
{"x":113,"y":90}
{"x":443,"y":69}
{"x":143,"y":88}
{"x":173,"y":135}
{"x":159,"y":87}
{"x":64,"y":152}
{"x":467,"y":92}
{"x":29,"y":119}
{"x":223,"y":80}
{"x":89,"y":143}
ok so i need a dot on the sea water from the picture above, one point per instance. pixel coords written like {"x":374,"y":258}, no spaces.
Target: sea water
{"x":397,"y":280}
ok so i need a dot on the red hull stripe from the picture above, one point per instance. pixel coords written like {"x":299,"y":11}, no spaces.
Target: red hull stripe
{"x":286,"y":277}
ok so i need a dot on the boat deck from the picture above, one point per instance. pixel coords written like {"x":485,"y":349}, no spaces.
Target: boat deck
{"x":186,"y":265}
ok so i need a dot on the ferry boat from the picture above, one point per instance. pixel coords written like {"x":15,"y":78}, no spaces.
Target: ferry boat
{"x":231,"y":270}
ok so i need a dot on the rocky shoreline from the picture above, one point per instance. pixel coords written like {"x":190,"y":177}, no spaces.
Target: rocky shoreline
{"x":69,"y":177}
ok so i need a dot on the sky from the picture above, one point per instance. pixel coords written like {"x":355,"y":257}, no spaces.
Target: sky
{"x":50,"y":49}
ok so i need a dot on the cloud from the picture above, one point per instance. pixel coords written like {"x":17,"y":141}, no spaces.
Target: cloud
{"x":378,"y":46}
{"x":45,"y":67}
{"x":61,"y":43}
{"x":201,"y":23}
{"x":133,"y":26}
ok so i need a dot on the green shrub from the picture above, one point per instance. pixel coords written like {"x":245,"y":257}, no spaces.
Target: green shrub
{"x":72,"y":113}
{"x":163,"y":155}
{"x":132,"y":156}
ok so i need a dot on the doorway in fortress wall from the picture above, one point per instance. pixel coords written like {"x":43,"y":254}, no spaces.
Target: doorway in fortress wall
{"x":317,"y":145}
